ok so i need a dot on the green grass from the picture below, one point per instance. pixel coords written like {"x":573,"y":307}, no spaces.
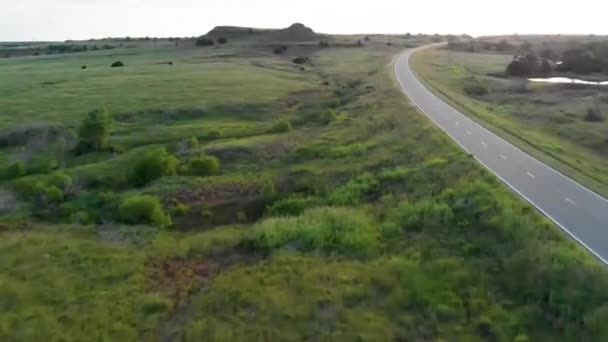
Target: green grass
{"x":69,"y":286}
{"x":546,"y":121}
{"x":360,"y":221}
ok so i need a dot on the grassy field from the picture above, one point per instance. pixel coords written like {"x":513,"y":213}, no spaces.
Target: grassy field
{"x":290,"y":203}
{"x":544,"y":120}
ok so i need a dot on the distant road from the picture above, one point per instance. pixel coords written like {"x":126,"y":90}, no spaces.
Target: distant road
{"x":581,"y":213}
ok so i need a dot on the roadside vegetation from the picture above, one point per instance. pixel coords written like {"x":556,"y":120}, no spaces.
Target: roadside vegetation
{"x":561,"y":124}
{"x":234,"y":196}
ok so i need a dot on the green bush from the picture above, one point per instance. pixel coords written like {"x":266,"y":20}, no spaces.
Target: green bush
{"x":42,"y":165}
{"x":60,"y":179}
{"x":281,"y":126}
{"x":192,"y":142}
{"x":144,"y":209}
{"x":423,"y":215}
{"x":18,"y":169}
{"x":118,"y":64}
{"x":204,"y":166}
{"x":154,"y":164}
{"x":80,"y":217}
{"x":355,"y":191}
{"x":180,"y":209}
{"x":292,"y":206}
{"x":38,"y":191}
{"x":476,"y":90}
{"x":328,"y":230}
{"x":52,"y":194}
{"x":215,"y":134}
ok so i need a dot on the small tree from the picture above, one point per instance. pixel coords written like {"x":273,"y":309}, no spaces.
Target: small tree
{"x":118,"y":64}
{"x":94,"y":131}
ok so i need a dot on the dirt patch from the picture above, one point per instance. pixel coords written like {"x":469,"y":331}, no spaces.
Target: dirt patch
{"x":231,"y":211}
{"x":198,"y":275}
{"x":240,"y":154}
{"x":218,"y":205}
{"x":216,"y":193}
{"x":177,"y":279}
{"x":232,"y":154}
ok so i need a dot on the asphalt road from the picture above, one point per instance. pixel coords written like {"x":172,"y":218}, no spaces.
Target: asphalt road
{"x":581,"y":213}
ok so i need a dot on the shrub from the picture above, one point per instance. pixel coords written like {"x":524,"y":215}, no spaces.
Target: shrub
{"x":593,"y":115}
{"x":327,"y":230}
{"x":94,"y":131}
{"x":300,"y":60}
{"x":180,"y":209}
{"x":222,"y":40}
{"x":83,"y":67}
{"x":52,"y":194}
{"x":280,"y":126}
{"x":214,"y":135}
{"x":80,"y":217}
{"x":42,"y":165}
{"x":279,"y":50}
{"x":204,"y":42}
{"x":61,"y":180}
{"x":355,"y":191}
{"x":204,"y":166}
{"x":423,"y":215}
{"x":118,"y":64}
{"x":476,"y":90}
{"x":18,"y":169}
{"x":144,"y":209}
{"x":327,"y":117}
{"x":154,"y":164}
{"x":192,"y":142}
{"x":38,"y":191}
{"x":28,"y":188}
{"x":292,"y":206}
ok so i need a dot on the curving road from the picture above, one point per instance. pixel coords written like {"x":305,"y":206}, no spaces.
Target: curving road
{"x":581,"y":213}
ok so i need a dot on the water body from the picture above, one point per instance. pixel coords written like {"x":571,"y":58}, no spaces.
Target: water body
{"x":567,"y":80}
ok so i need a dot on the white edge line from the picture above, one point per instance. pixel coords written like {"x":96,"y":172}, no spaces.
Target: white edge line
{"x":498,"y":136}
{"x":531,"y":175}
{"x":500,"y":177}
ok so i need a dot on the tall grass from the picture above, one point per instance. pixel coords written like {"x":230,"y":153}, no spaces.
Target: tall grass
{"x":329,"y":231}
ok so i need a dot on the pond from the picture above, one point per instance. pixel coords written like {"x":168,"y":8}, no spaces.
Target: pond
{"x":567,"y":80}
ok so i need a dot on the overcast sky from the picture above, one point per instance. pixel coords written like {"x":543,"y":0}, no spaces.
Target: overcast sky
{"x":83,"y":19}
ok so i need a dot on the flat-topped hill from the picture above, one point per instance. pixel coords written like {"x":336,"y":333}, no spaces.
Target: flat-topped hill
{"x":294,"y":33}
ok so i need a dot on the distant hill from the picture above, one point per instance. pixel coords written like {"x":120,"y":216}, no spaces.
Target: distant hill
{"x":294,"y":33}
